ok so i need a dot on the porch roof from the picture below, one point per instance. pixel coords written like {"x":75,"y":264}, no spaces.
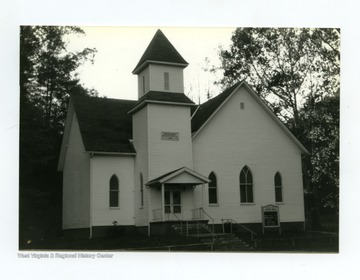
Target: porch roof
{"x":182,"y":175}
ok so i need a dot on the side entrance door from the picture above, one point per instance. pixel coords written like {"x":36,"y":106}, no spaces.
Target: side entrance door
{"x":173,"y":205}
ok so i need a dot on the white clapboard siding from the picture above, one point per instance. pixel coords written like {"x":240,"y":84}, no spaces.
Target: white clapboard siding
{"x":102,"y":168}
{"x":143,"y":82}
{"x":176,"y":78}
{"x":153,"y":76}
{"x":76,"y":192}
{"x":140,"y":140}
{"x":168,"y":155}
{"x":237,"y":137}
{"x":155,"y":156}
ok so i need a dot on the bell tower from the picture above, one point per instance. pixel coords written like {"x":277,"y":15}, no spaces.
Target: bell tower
{"x":161,"y":117}
{"x":160,"y":68}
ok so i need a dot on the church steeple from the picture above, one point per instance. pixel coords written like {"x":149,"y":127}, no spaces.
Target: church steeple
{"x":161,"y":67}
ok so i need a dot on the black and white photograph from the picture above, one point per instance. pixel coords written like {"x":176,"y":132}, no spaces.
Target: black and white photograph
{"x":242,"y":157}
{"x":153,"y":139}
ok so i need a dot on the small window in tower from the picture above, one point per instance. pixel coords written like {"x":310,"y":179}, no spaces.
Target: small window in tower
{"x":242,"y":106}
{"x":166,"y":81}
{"x":143,"y":84}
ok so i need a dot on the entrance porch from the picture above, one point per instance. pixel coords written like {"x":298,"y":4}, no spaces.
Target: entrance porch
{"x":172,"y":196}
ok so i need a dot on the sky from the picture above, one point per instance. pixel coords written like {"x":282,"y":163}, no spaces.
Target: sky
{"x":120,"y":48}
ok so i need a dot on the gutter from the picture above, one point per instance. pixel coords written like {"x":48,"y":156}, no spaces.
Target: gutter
{"x":92,"y":153}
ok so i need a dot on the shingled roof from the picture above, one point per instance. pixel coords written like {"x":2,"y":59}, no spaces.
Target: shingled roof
{"x":160,"y":50}
{"x":105,"y":124}
{"x":162,"y":97}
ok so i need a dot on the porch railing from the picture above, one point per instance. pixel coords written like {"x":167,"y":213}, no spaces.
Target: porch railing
{"x":157,"y":215}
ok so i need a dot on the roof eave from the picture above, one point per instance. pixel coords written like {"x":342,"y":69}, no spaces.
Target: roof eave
{"x":138,"y":69}
{"x":277,"y":120}
{"x":266,"y":108}
{"x":111,"y":153}
{"x":195,"y":133}
{"x":178,"y":172}
{"x":142,"y":104}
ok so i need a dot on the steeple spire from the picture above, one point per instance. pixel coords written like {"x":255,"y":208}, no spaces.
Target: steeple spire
{"x":160,"y":51}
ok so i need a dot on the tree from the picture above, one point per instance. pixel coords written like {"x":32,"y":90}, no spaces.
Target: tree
{"x":284,"y":65}
{"x":47,"y":78}
{"x":318,"y":130}
{"x":47,"y":70}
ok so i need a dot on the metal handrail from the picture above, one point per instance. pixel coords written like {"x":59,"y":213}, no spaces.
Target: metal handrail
{"x":180,"y":220}
{"x":237,"y":223}
{"x":202,"y":212}
{"x":212,"y":220}
{"x":211,"y":232}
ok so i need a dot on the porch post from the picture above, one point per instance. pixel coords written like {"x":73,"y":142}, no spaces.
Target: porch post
{"x":162,"y":202}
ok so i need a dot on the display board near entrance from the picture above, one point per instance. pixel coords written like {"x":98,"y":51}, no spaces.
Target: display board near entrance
{"x":270,"y":217}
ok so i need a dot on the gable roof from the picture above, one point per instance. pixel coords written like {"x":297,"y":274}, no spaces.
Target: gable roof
{"x":208,"y":109}
{"x":105,"y":124}
{"x":172,"y":174}
{"x":161,"y":97}
{"x":160,"y":50}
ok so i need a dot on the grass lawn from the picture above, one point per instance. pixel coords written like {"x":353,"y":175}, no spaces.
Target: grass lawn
{"x":120,"y":243}
{"x":311,"y":242}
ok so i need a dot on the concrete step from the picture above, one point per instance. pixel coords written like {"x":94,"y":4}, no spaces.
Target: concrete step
{"x":229,"y":242}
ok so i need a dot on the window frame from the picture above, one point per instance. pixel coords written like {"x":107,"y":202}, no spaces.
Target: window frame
{"x":246,"y":187}
{"x":213,"y":187}
{"x":143,"y":84}
{"x":166,"y":81}
{"x":114,"y":192}
{"x":278,"y":188}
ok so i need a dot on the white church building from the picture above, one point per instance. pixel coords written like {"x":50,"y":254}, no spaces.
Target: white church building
{"x":161,"y":160}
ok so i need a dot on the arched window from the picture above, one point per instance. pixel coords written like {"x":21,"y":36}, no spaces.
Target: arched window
{"x":114,"y":191}
{"x":278,"y":188}
{"x":213,"y":189}
{"x":141,"y":190}
{"x":246,"y":186}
